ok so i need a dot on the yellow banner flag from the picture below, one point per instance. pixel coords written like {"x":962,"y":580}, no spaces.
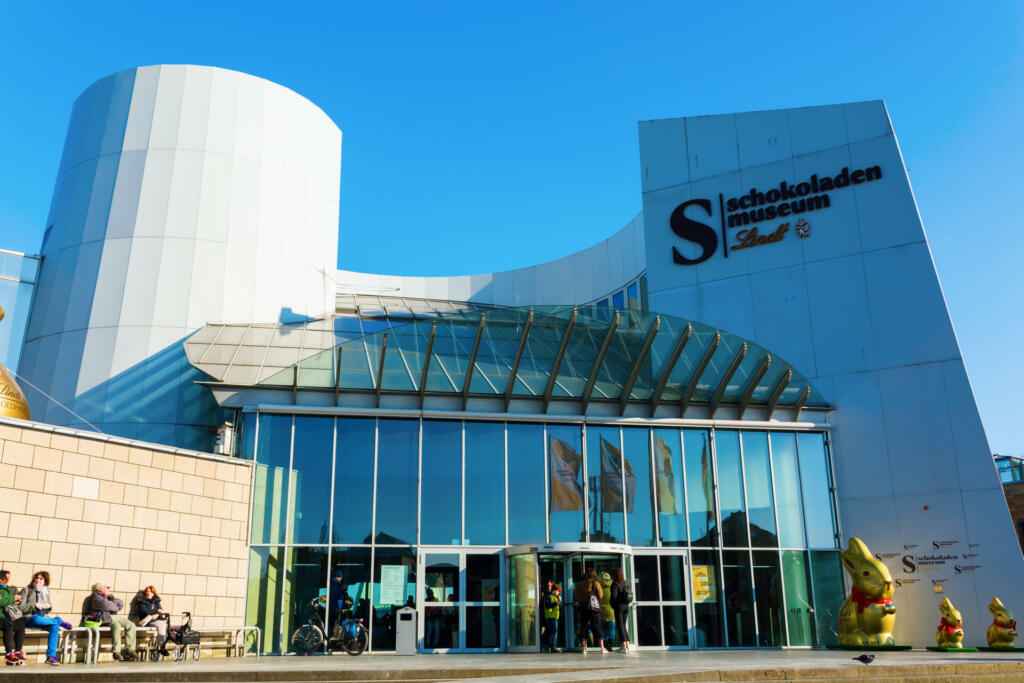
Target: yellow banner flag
{"x":564,"y":465}
{"x":668,"y":488}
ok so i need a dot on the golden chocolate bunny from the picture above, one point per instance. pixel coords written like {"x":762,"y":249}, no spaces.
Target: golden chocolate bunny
{"x":868,"y":615}
{"x":950,"y":632}
{"x":1003,"y":630}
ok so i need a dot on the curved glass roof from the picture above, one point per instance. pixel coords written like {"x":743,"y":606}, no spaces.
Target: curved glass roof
{"x":553,"y":353}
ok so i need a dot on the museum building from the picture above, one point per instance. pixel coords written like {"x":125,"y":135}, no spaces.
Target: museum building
{"x":757,"y":367}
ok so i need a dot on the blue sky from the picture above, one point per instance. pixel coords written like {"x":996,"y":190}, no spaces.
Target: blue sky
{"x":486,"y":136}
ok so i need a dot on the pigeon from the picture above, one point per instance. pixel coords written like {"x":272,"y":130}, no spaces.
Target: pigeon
{"x":864,"y":659}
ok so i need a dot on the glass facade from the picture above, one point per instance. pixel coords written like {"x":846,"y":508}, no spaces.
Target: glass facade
{"x":731,"y":534}
{"x":18,"y":275}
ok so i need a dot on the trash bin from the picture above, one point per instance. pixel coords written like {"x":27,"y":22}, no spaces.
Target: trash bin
{"x":405,"y":631}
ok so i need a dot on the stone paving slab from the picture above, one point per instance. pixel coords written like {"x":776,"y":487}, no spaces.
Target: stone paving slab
{"x":809,"y":666}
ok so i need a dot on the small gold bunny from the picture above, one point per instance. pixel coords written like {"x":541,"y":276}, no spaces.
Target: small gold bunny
{"x":868,"y":615}
{"x":950,"y":632}
{"x":1003,"y":630}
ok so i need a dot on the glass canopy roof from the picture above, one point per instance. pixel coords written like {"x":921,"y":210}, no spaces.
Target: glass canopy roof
{"x":553,"y":353}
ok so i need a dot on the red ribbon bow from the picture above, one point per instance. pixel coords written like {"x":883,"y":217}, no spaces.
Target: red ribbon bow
{"x":863,"y":600}
{"x":948,"y":627}
{"x":995,"y":622}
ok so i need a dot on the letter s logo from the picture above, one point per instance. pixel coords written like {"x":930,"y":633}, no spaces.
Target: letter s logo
{"x":909,"y":566}
{"x":693,"y":231}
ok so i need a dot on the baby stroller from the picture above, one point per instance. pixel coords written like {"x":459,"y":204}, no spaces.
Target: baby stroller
{"x":183,"y":637}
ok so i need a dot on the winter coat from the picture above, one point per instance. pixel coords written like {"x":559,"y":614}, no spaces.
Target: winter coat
{"x":104,"y":606}
{"x":29,"y":597}
{"x":146,"y":607}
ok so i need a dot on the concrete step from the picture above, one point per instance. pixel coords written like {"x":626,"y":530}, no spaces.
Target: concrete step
{"x":973,"y":672}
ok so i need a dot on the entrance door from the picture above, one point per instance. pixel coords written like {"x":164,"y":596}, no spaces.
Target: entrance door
{"x":523,"y":598}
{"x":664,"y":584}
{"x":461,"y":593}
{"x":577,"y":565}
{"x":529,"y":570}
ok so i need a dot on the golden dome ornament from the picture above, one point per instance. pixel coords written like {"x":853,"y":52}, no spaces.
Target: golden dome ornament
{"x":12,"y":400}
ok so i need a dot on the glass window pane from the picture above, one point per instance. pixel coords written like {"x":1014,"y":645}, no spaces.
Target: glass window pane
{"x":483,"y":578}
{"x":787,"y":490}
{"x":648,"y":626}
{"x":619,"y":300}
{"x":676,"y":633}
{"x":522,"y":600}
{"x":248,"y":437}
{"x":816,"y":481}
{"x":800,"y":613}
{"x":829,"y":594}
{"x":639,"y":486}
{"x":526,"y":522}
{"x":441,"y":578}
{"x":604,"y":470}
{"x":565,"y":484}
{"x":739,"y":598}
{"x":668,"y":478}
{"x":440,"y":627}
{"x":350,"y":584}
{"x":485,"y":483}
{"x":397,"y":456}
{"x":730,"y":489}
{"x":761,"y":510}
{"x":707,"y":609}
{"x":311,"y":479}
{"x":441,"y":509}
{"x":273,"y":454}
{"x":700,"y":502}
{"x":353,"y":480}
{"x":673,"y":578}
{"x":393,"y":563}
{"x":305,"y":578}
{"x":633,"y":297}
{"x":483,"y":626}
{"x":768,"y":593}
{"x":646,"y":567}
{"x":263,"y":599}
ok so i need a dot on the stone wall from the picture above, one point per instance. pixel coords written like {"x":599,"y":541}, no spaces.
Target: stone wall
{"x":91,"y":508}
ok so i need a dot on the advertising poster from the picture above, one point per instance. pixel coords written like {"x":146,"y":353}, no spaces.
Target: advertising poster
{"x":703,"y":583}
{"x":392,"y":584}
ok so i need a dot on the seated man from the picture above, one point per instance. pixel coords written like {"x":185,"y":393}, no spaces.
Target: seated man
{"x":104,"y":607}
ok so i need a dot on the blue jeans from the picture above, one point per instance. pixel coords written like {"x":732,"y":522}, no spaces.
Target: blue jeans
{"x":47,"y":623}
{"x":550,"y":633}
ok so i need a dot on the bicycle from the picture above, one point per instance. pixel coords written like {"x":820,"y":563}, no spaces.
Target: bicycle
{"x":349,"y":634}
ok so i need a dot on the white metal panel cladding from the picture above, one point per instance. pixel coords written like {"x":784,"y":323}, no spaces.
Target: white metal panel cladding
{"x":186,"y":195}
{"x":858,"y":305}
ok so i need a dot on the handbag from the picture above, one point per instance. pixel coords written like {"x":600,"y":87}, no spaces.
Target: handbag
{"x":13,"y":612}
{"x":595,"y":603}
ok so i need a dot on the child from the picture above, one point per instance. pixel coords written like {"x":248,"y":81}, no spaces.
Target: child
{"x":551,"y":603}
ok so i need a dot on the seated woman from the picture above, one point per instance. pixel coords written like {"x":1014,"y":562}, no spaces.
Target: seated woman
{"x":35,"y":605}
{"x":149,"y":613}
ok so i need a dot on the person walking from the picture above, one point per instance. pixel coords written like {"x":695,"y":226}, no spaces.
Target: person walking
{"x":35,"y":605}
{"x":621,"y":598}
{"x":551,"y":603}
{"x":149,"y":613}
{"x":11,"y":621}
{"x":105,"y":606}
{"x":588,"y":604}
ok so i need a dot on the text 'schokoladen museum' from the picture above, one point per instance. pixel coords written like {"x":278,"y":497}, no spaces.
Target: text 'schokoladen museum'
{"x":755,"y":368}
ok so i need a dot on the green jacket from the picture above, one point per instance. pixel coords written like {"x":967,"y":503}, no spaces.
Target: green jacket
{"x":6,"y":598}
{"x":551,"y":605}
